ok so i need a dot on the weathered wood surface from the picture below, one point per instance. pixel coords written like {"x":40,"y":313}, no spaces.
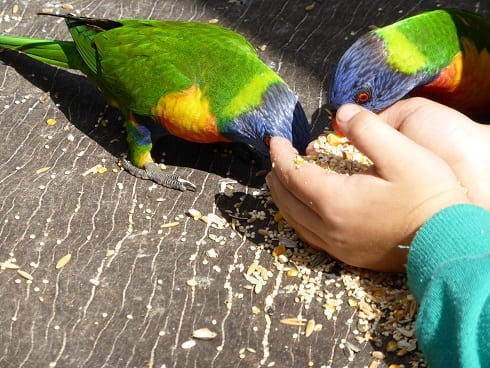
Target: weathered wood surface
{"x":124,"y":299}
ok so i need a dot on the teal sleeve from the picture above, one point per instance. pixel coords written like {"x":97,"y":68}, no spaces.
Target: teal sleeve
{"x":449,"y":274}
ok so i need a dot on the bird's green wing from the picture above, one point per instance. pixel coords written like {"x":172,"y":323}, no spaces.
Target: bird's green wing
{"x":421,"y":43}
{"x":426,"y":42}
{"x":144,"y":60}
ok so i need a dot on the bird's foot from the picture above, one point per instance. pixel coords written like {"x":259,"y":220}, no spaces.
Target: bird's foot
{"x":153,"y":172}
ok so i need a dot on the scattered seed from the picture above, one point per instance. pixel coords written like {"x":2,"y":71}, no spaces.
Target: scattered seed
{"x":51,"y":121}
{"x":9,"y":266}
{"x":25,"y":275}
{"x":277,"y":251}
{"x":217,"y":221}
{"x":310,"y":327}
{"x":42,"y":170}
{"x":204,"y":334}
{"x":195,"y":214}
{"x":378,"y":355}
{"x":92,"y":170}
{"x":251,"y":269}
{"x":63,"y":261}
{"x":391,"y":346}
{"x":251,"y":279}
{"x":309,"y":7}
{"x":294,"y":321}
{"x":263,"y":232}
{"x":211,"y":253}
{"x":170,"y":224}
{"x":352,"y":302}
{"x":45,"y":95}
{"x":188,"y":344}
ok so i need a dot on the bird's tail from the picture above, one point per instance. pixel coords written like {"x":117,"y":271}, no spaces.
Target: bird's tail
{"x":54,"y":52}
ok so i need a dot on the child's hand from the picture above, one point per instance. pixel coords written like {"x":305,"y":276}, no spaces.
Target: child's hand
{"x":361,"y":219}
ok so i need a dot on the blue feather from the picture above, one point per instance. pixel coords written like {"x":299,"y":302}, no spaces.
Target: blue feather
{"x":363,"y":67}
{"x":279,"y":115}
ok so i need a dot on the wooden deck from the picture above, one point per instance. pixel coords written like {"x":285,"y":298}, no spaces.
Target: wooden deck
{"x":143,"y":275}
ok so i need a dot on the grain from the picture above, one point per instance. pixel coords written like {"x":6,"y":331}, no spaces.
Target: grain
{"x":279,"y":250}
{"x":211,"y":253}
{"x":63,"y":261}
{"x":310,"y":327}
{"x":336,"y":154}
{"x":9,"y":266}
{"x":94,"y":170}
{"x":378,"y":355}
{"x":294,"y":321}
{"x":51,"y":121}
{"x":204,"y":334}
{"x":215,"y":221}
{"x":391,"y":346}
{"x":25,"y":275}
{"x":170,"y":224}
{"x":195,"y":214}
{"x":42,"y":170}
{"x":379,"y":307}
{"x":188,"y":344}
{"x":310,"y":7}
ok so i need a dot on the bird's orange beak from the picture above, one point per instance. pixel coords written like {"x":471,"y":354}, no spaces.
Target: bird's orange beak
{"x":336,"y":127}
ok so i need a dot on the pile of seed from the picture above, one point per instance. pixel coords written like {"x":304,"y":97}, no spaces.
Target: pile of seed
{"x":336,"y":154}
{"x":385,"y":311}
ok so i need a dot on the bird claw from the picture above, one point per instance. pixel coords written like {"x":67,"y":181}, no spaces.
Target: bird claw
{"x":154,"y":173}
{"x":187,"y":185}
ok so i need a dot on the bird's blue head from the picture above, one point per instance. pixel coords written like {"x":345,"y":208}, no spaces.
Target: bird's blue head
{"x":364,"y":77}
{"x":279,"y":115}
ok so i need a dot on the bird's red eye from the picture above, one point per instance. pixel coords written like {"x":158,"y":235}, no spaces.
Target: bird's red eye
{"x":363,"y":96}
{"x":267,"y":141}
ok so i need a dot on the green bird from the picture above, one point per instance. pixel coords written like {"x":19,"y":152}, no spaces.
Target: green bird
{"x":197,"y":81}
{"x":442,"y":55}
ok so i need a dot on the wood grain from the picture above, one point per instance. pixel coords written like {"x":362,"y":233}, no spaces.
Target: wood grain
{"x":124,"y":300}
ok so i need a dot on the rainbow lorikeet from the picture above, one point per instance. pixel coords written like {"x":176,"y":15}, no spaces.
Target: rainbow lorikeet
{"x":442,"y":55}
{"x":200,"y":82}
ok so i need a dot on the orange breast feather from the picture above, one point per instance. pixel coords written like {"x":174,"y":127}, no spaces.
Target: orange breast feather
{"x":187,"y":115}
{"x":465,"y":83}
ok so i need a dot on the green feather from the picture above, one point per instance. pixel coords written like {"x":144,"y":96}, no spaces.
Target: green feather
{"x":427,"y":41}
{"x":59,"y":53}
{"x":412,"y":48}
